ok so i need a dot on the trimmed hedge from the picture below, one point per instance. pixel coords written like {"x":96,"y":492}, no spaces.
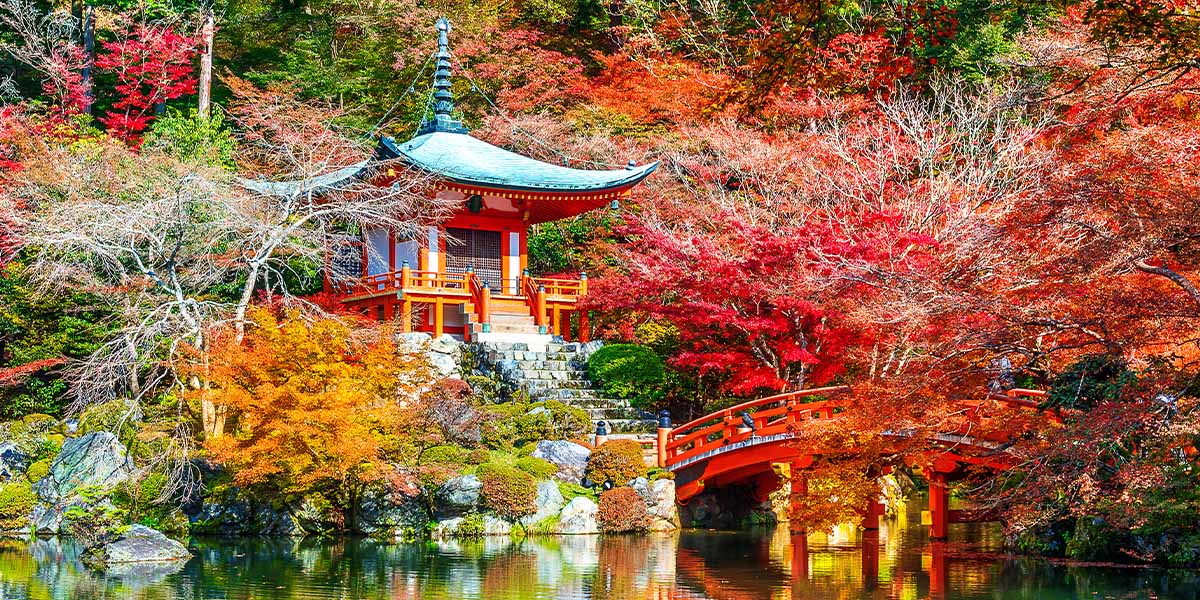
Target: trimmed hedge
{"x":515,"y":424}
{"x":629,"y":371}
{"x":622,"y":510}
{"x":618,"y":461}
{"x":509,"y":492}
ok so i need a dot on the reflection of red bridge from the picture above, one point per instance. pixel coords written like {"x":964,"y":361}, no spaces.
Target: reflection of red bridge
{"x":741,"y":445}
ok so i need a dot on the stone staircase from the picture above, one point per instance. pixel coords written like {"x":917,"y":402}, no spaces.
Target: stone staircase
{"x":559,"y":372}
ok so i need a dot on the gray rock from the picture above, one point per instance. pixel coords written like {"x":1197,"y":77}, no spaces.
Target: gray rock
{"x":13,"y":462}
{"x":458,"y":496}
{"x":391,"y":513}
{"x":47,"y":519}
{"x":570,"y":458}
{"x":549,"y":502}
{"x":445,"y":364}
{"x":316,"y":516}
{"x":578,"y":517}
{"x":492,"y":526}
{"x":94,"y":459}
{"x":445,"y":344}
{"x":659,"y":497}
{"x":142,"y":544}
{"x":414,"y":341}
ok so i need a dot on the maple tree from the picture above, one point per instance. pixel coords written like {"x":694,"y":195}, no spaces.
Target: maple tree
{"x":152,"y":66}
{"x":313,"y":404}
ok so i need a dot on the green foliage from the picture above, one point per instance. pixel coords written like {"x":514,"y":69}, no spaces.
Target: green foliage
{"x":1093,"y":539}
{"x":96,"y":522}
{"x":445,"y":455}
{"x":1090,"y":381}
{"x":38,"y":470}
{"x":16,"y":501}
{"x":560,"y":246}
{"x":622,"y":510}
{"x":115,"y":416}
{"x":471,"y":526}
{"x":574,"y":490}
{"x":657,"y":473}
{"x":515,"y":424}
{"x":485,"y":389}
{"x":629,"y":371}
{"x":618,"y":461}
{"x":144,"y":501}
{"x":188,"y":137}
{"x":478,"y":456}
{"x":509,"y":492}
{"x":538,"y":468}
{"x":36,"y":326}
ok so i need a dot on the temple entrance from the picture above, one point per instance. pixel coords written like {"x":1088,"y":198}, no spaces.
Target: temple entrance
{"x":474,"y":248}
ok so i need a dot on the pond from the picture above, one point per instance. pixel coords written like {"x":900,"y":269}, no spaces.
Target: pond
{"x":895,"y":562}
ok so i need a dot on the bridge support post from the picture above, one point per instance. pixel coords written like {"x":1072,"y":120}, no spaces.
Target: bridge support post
{"x":799,"y":557}
{"x":939,"y":506}
{"x":870,"y":559}
{"x":871,"y":514}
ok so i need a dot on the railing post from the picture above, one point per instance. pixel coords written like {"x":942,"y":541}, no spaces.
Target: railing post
{"x":664,"y":437}
{"x":583,"y":283}
{"x":485,"y":307}
{"x":540,"y":311}
{"x":468,"y":278}
{"x":405,"y":275}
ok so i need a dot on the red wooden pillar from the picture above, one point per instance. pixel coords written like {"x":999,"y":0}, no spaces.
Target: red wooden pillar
{"x":938,"y":571}
{"x":870,"y":559}
{"x":939,"y":506}
{"x":871,"y":513}
{"x":585,"y":330}
{"x":799,"y":557}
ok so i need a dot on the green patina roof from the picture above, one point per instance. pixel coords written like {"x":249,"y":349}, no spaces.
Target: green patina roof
{"x":464,"y":159}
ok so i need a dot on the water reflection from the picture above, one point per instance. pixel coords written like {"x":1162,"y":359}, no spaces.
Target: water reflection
{"x":895,"y":562}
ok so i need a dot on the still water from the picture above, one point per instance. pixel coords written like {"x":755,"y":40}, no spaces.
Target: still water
{"x":895,"y":562}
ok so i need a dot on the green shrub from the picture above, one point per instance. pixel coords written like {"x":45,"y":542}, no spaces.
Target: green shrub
{"x":512,"y":425}
{"x":444,"y":455}
{"x":38,"y":470}
{"x":471,"y":526}
{"x":192,"y":138}
{"x":114,"y":416}
{"x":621,"y":510}
{"x":509,"y":492}
{"x":486,"y":390}
{"x":16,"y":500}
{"x":618,"y":461}
{"x":629,"y":371}
{"x":570,"y":491}
{"x":540,"y":469}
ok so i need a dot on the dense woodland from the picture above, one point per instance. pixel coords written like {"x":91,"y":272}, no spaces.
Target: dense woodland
{"x":923,"y":199}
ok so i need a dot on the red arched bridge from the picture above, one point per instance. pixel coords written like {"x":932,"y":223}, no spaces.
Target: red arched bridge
{"x":746,"y":443}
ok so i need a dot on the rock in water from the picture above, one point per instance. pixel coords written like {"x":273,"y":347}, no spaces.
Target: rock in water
{"x":13,"y":462}
{"x":570,"y":458}
{"x":578,"y":517}
{"x":141,"y":544}
{"x":659,"y":496}
{"x":94,"y":459}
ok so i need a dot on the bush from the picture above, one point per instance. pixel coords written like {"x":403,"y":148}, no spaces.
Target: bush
{"x":477,"y":456}
{"x":16,"y":500}
{"x":618,"y":461}
{"x":621,"y":510}
{"x":629,"y":371}
{"x":471,"y":526}
{"x":540,"y":469}
{"x":510,"y":492}
{"x":192,"y":138}
{"x":38,"y":470}
{"x":515,"y":424}
{"x":444,"y":455}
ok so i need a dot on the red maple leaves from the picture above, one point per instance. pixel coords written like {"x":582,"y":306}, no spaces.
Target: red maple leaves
{"x":152,"y":66}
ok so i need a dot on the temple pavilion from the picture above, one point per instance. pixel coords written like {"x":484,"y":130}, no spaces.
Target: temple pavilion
{"x":468,"y":275}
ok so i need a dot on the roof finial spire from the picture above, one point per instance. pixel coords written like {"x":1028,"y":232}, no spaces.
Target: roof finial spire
{"x":443,"y":98}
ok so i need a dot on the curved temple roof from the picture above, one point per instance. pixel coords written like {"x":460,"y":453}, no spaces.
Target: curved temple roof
{"x":461,"y":158}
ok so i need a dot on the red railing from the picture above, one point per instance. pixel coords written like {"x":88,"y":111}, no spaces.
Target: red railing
{"x":571,"y":288}
{"x":773,"y":415}
{"x":408,"y":279}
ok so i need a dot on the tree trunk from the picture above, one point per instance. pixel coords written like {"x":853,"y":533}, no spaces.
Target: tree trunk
{"x":89,"y":60}
{"x":204,"y":109}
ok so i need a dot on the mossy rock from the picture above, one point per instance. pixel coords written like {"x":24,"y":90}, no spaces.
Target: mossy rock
{"x":444,"y":455}
{"x":115,"y":416}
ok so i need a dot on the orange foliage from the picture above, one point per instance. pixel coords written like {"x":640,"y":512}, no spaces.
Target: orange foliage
{"x":313,"y":407}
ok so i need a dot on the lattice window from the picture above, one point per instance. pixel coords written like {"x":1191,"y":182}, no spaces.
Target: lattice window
{"x":473,"y":248}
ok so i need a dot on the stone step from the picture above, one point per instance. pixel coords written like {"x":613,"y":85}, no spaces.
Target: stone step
{"x":630,"y":426}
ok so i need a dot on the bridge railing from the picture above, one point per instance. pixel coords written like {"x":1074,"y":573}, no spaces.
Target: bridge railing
{"x":773,"y":415}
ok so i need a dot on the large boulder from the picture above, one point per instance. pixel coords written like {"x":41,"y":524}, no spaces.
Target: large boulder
{"x":549,"y":502}
{"x":578,"y":517}
{"x":659,"y":496}
{"x":93,"y":459}
{"x":445,"y":344}
{"x":570,"y":458}
{"x":414,"y":341}
{"x":391,"y":512}
{"x":13,"y":462}
{"x":141,"y":544}
{"x":458,"y":496}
